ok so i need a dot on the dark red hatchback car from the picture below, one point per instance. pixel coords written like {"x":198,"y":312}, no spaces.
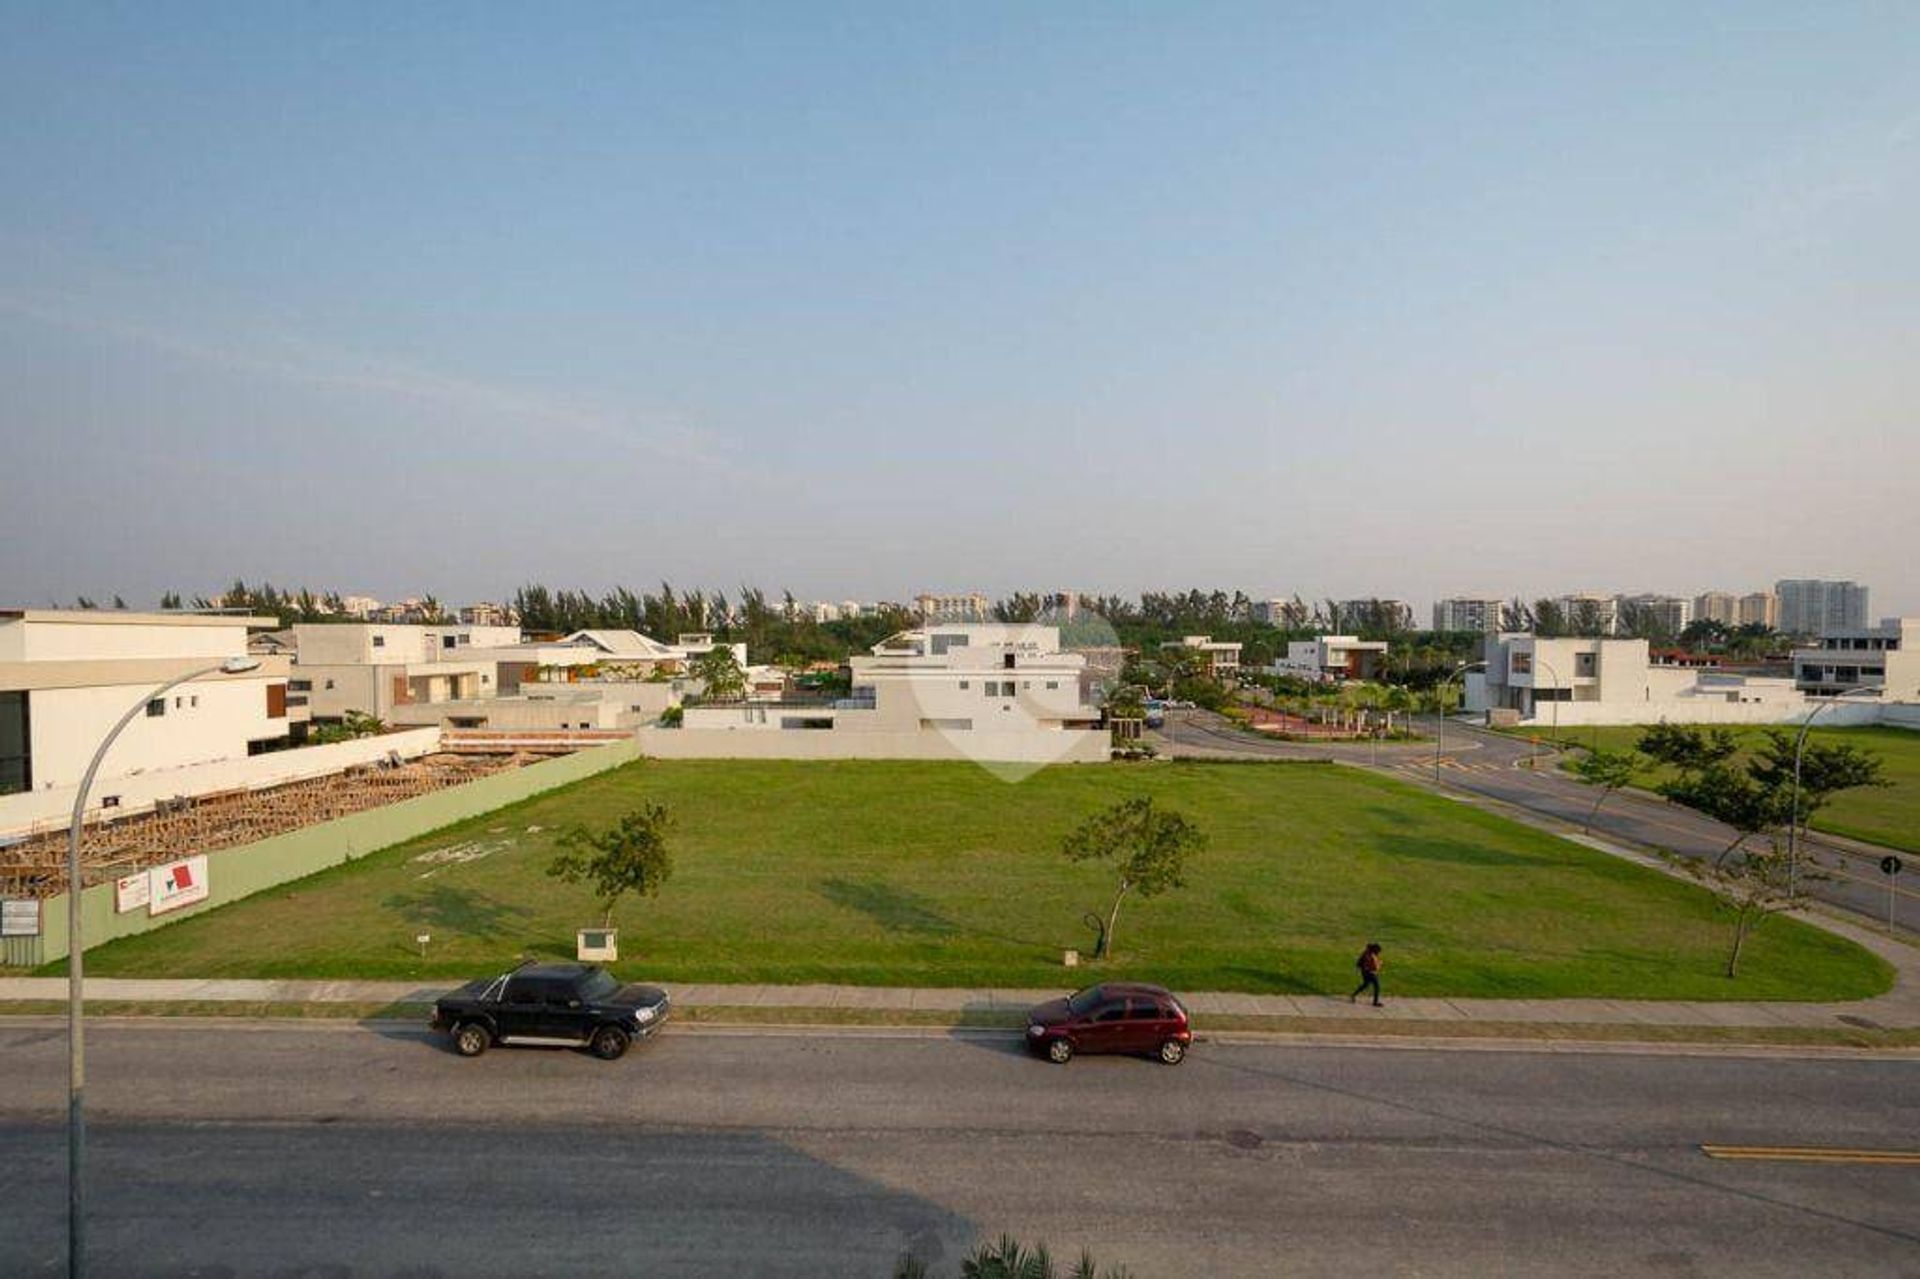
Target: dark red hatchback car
{"x":1113,"y":1017}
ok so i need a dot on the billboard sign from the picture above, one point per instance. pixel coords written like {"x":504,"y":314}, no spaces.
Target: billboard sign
{"x":130,"y":892}
{"x":177,"y":884}
{"x":20,"y":919}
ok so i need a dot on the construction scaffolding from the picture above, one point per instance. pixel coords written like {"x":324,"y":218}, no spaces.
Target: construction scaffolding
{"x":36,"y":867}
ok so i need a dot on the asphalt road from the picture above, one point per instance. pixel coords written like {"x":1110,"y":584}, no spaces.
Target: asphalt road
{"x":247,"y":1148}
{"x":1486,"y":764}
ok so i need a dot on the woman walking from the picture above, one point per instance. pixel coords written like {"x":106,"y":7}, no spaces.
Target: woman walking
{"x":1369,"y":966}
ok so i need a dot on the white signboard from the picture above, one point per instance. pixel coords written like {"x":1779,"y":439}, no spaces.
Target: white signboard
{"x":177,"y":884}
{"x":20,"y":919}
{"x":130,"y":892}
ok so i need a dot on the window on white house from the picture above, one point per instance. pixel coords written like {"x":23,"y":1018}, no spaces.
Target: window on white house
{"x":156,"y":708}
{"x":379,"y":641}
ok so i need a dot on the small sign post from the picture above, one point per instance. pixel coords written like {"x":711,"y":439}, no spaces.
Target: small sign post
{"x":1890,"y":867}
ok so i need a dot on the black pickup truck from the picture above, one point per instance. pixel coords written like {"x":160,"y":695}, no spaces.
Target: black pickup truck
{"x":568,"y":1005}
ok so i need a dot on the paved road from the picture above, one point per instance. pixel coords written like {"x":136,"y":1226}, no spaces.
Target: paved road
{"x":256,"y":1149}
{"x":1492,"y":765}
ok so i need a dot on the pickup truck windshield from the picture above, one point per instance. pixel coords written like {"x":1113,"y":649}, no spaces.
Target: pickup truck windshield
{"x":598,"y":986}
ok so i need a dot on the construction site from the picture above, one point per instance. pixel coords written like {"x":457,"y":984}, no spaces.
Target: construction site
{"x":111,"y":847}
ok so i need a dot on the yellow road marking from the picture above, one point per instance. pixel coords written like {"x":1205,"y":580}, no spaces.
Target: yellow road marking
{"x":1812,"y":1154}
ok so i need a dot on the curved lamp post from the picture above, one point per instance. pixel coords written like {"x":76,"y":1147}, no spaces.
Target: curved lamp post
{"x":76,"y":949}
{"x":1440,"y":712}
{"x":1799,"y":746}
{"x":1554,"y":731}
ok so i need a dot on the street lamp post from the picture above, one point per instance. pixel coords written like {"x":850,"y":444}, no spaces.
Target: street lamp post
{"x":76,"y":950}
{"x":1440,"y":712}
{"x":1554,"y":731}
{"x":1799,"y":746}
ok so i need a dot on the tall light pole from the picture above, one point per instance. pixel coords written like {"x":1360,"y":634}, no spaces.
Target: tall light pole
{"x":1799,"y":746}
{"x":76,"y":950}
{"x":1554,"y":731}
{"x":1440,"y":712}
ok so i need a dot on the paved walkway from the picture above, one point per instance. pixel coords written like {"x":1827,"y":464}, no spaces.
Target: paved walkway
{"x":1900,"y":1008}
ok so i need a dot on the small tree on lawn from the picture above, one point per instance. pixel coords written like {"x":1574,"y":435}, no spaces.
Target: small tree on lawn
{"x":629,"y":857}
{"x":720,"y":674}
{"x":1148,"y":846}
{"x":1749,"y":888}
{"x":1608,"y":770}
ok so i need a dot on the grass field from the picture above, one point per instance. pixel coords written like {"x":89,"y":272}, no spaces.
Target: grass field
{"x":939,"y":874}
{"x":1884,"y":815}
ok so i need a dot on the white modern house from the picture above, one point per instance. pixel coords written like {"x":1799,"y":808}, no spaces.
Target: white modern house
{"x":1220,"y":659}
{"x":1884,"y":657}
{"x":372,"y":667}
{"x":983,"y":691}
{"x":1333,"y":657}
{"x":1580,"y":680}
{"x":67,"y":676}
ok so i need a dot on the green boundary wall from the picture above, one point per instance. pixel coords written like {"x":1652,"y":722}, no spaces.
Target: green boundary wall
{"x":241,"y":871}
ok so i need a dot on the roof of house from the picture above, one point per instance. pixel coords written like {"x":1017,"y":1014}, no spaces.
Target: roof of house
{"x":630,"y":644}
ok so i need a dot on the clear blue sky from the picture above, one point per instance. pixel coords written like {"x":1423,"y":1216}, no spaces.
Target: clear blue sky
{"x":858,"y":300}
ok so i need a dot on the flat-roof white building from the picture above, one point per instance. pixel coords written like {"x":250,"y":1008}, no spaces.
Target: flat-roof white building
{"x":985,"y":691}
{"x":1333,"y":657}
{"x":66,"y":677}
{"x":1884,"y":657}
{"x":1220,"y":659}
{"x":371,"y":667}
{"x":1589,"y":680}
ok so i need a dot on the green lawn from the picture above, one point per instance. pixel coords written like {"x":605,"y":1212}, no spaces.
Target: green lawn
{"x":940,"y":874}
{"x":1882,"y":815}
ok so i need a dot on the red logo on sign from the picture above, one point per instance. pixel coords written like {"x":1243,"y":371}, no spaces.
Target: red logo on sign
{"x":182,"y":877}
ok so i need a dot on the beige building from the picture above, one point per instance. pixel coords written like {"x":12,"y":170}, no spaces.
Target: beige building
{"x":1761,"y":608}
{"x":1722,"y":607}
{"x":1220,"y":659}
{"x":373,"y":667}
{"x":969,"y":607}
{"x":67,"y":676}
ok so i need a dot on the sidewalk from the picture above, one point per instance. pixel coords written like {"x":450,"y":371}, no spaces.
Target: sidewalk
{"x":1898,"y":1009}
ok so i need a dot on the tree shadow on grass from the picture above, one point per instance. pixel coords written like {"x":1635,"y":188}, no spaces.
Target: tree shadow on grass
{"x":898,"y":910}
{"x":1272,"y":981}
{"x":458,"y":910}
{"x":1459,"y":853}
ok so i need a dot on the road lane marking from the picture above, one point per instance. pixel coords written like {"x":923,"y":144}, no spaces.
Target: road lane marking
{"x":1811,"y":1154}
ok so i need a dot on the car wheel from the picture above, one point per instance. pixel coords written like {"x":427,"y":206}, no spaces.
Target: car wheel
{"x":470,"y":1039}
{"x":609,"y":1042}
{"x":1173,"y":1052}
{"x":1059,"y":1052}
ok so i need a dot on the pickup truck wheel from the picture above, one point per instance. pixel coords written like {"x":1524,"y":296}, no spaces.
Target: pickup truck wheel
{"x":609,"y":1043}
{"x":470,"y":1039}
{"x":1059,"y":1052}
